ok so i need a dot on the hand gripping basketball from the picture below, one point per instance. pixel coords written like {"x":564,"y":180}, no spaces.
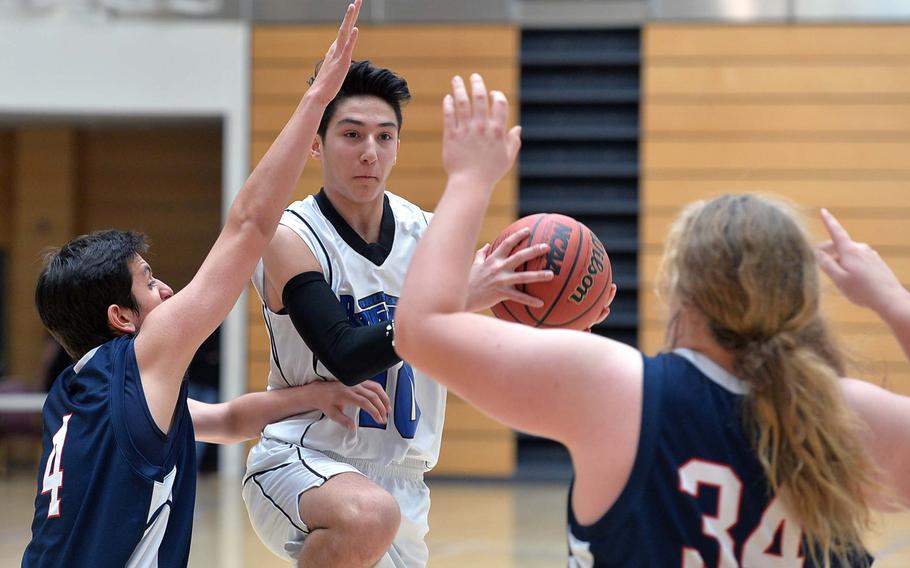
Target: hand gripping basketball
{"x":582,"y":281}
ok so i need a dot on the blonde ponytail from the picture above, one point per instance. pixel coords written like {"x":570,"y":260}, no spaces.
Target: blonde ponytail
{"x":746,"y":265}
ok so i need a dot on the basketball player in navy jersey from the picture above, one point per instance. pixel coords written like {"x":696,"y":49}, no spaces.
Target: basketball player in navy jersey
{"x":116,"y":481}
{"x":741,"y":446}
{"x":318,"y":494}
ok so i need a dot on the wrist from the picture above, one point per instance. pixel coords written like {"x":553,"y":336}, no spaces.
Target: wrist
{"x":314,"y":98}
{"x":895,"y":307}
{"x":472,"y":180}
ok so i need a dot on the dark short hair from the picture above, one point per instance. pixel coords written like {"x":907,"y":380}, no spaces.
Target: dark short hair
{"x":80,"y":280}
{"x":365,"y":79}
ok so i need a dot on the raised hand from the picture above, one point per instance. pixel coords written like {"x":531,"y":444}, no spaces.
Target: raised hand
{"x":334,"y":67}
{"x":331,"y":397}
{"x":857,"y":269}
{"x":476,"y":139}
{"x":493,"y":277}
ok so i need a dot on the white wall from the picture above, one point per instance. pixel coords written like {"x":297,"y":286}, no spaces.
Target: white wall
{"x":66,"y":66}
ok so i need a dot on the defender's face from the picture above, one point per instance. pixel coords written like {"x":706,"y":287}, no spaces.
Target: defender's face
{"x":359,"y":150}
{"x":148,"y":291}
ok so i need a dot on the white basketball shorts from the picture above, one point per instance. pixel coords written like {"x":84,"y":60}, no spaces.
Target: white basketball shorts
{"x":278,"y":473}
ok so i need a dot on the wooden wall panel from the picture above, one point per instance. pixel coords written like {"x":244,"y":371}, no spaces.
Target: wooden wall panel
{"x":306,"y":45}
{"x":60,"y":181}
{"x":819,"y":115}
{"x":43,"y":198}
{"x":688,"y":43}
{"x":427,"y":57}
{"x":807,"y":121}
{"x":162,"y":180}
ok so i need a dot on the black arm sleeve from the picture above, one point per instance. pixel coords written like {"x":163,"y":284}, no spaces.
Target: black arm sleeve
{"x":353,"y":354}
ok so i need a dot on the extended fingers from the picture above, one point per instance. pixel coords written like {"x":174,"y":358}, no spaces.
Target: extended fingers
{"x":462,"y":104}
{"x":481,"y":104}
{"x":481,"y":254}
{"x":829,"y":264}
{"x":528,"y":277}
{"x":370,"y":404}
{"x":839,"y":235}
{"x":827,"y":246}
{"x":449,"y":121}
{"x":509,"y":243}
{"x":522,"y":298}
{"x":379,"y":392}
{"x":347,"y":24}
{"x":526,"y":254}
{"x":348,"y":50}
{"x":499,"y":114}
{"x":514,"y":141}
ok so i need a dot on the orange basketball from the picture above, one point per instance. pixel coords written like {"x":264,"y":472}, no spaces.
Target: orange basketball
{"x":582,"y":274}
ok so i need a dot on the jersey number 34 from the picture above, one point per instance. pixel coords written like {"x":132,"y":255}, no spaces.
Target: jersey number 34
{"x":757,"y":548}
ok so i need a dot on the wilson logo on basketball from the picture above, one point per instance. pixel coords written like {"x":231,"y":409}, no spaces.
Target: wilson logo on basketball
{"x":595,"y":267}
{"x":559,"y":240}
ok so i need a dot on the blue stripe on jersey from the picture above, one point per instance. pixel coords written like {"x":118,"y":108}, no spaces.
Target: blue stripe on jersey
{"x":694,"y":461}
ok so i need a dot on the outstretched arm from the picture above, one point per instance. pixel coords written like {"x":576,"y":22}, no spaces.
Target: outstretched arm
{"x":559,"y":384}
{"x":244,"y":417}
{"x":173,"y":331}
{"x":578,"y":388}
{"x":866,"y":280}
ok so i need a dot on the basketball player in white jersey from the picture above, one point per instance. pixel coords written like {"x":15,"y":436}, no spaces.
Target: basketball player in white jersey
{"x":320,"y":494}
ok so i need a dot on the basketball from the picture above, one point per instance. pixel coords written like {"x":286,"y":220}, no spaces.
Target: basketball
{"x":582,"y":274}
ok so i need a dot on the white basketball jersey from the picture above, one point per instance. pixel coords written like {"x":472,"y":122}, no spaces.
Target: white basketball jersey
{"x":369,"y":292}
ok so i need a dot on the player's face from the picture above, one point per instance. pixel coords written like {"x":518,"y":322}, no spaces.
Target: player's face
{"x":148,"y":290}
{"x":359,"y":149}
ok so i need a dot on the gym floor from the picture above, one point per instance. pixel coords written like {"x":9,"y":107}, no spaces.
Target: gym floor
{"x":473,"y":524}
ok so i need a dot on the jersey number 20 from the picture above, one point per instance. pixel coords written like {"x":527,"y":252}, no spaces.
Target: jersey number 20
{"x":53,"y":470}
{"x":756,"y":551}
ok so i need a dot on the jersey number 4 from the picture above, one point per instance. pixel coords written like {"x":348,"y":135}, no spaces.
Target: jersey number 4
{"x":757,"y":549}
{"x":53,"y":470}
{"x":404,"y":407}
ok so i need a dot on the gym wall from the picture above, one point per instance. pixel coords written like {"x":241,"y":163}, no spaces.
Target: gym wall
{"x":817,"y":114}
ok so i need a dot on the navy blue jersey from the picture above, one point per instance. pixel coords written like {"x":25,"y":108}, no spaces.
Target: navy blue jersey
{"x":697,"y":495}
{"x":102,"y":502}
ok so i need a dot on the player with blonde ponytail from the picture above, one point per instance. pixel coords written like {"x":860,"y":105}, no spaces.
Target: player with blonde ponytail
{"x":763,"y":310}
{"x":739,"y":446}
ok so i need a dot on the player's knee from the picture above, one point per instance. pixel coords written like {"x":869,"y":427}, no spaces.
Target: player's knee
{"x":372,"y":516}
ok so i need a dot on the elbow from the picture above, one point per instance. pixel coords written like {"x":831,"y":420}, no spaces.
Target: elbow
{"x":243,"y":221}
{"x":235,"y":428}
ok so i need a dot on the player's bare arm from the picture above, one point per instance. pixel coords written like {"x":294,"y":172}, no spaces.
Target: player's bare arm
{"x":560,"y":370}
{"x":866,"y":280}
{"x":172,"y":332}
{"x":243,"y":418}
{"x":285,"y":257}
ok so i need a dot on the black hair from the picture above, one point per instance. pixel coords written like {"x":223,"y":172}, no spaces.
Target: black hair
{"x":80,"y":280}
{"x":365,"y":79}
